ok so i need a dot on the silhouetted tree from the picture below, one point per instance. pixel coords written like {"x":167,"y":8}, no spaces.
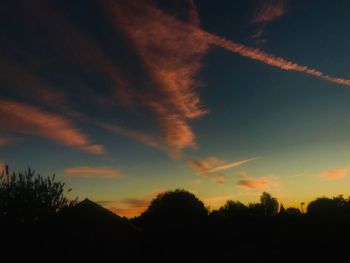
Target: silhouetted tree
{"x":174,"y":209}
{"x":234,"y":210}
{"x":29,"y":197}
{"x":325,"y":207}
{"x":269,"y":203}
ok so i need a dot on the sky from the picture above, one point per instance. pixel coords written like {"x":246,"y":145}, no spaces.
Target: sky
{"x":123,"y":100}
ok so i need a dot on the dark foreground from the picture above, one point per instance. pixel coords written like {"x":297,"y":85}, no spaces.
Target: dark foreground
{"x":90,"y":233}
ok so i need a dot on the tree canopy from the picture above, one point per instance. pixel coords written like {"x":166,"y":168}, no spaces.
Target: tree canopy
{"x":174,"y":209}
{"x":269,"y":203}
{"x":328,"y":207}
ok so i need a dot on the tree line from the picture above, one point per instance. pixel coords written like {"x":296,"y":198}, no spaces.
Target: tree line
{"x":36,"y":216}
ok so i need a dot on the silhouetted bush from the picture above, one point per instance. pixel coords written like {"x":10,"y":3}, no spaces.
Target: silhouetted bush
{"x":29,"y":197}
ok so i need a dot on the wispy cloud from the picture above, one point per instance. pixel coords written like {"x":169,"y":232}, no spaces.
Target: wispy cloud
{"x":213,"y":165}
{"x":36,"y":89}
{"x":130,"y":207}
{"x":27,"y":119}
{"x":268,"y":11}
{"x":171,"y":51}
{"x":92,"y":172}
{"x":250,"y":183}
{"x":141,"y":137}
{"x":168,"y":51}
{"x":336,"y":174}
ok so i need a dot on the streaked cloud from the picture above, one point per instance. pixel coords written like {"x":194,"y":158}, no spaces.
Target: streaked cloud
{"x":213,"y":165}
{"x":165,"y":32}
{"x":270,"y":59}
{"x":92,"y":172}
{"x":171,"y":51}
{"x":31,"y":120}
{"x":336,"y":174}
{"x":36,"y":89}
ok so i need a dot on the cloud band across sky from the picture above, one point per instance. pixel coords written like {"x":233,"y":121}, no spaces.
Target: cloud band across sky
{"x":30,"y":120}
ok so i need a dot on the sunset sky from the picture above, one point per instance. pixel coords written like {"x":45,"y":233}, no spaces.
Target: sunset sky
{"x":125,"y":99}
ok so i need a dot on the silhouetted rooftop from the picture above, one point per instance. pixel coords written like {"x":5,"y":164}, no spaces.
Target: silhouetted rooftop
{"x":89,"y":211}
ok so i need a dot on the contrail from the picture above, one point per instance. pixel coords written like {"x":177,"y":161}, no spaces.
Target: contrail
{"x":269,"y":59}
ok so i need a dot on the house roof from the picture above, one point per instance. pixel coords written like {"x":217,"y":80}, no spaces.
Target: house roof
{"x":90,"y":212}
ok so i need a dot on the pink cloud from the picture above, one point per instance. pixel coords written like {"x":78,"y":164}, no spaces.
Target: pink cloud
{"x":253,"y":183}
{"x":92,"y":172}
{"x":26,"y":119}
{"x":171,"y":52}
{"x":250,"y":183}
{"x":336,"y":174}
{"x":269,"y":10}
